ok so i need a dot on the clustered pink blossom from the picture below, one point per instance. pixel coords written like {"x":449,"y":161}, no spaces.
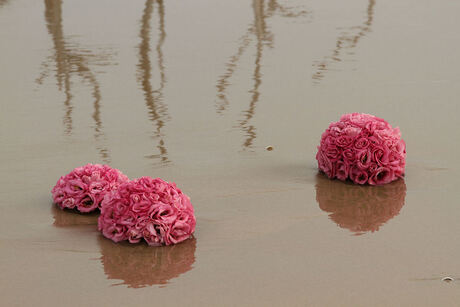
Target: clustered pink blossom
{"x":362,"y":148}
{"x":84,"y":188}
{"x":149,"y":209}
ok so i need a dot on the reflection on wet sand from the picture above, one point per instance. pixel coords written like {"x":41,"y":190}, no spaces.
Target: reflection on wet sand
{"x":258,"y":30}
{"x":348,"y":40}
{"x":70,"y":218}
{"x":140,"y":265}
{"x":158,"y":112}
{"x":358,"y":208}
{"x":70,"y":60}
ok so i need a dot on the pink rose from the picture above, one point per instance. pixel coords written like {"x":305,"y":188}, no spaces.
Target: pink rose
{"x":182,"y":227}
{"x":128,"y":219}
{"x":120,"y":207}
{"x":399,"y":171}
{"x":327,"y":140}
{"x":97,"y":187}
{"x":349,"y":156}
{"x":332,"y":153}
{"x":68,"y":203}
{"x":401,"y":147}
{"x":164,"y":213}
{"x":342,"y":170}
{"x":155,"y":235}
{"x":358,"y":175}
{"x":344,"y":141}
{"x":114,"y":232}
{"x":364,"y":159}
{"x":372,"y":168}
{"x":325,"y":164}
{"x":374,"y":141}
{"x":134,"y":235}
{"x":394,"y":158}
{"x":335,"y":131}
{"x":362,"y":143}
{"x":352,"y":132}
{"x":347,"y":117}
{"x":143,"y":206}
{"x":382,"y":175}
{"x":380,"y":155}
{"x":87,"y":203}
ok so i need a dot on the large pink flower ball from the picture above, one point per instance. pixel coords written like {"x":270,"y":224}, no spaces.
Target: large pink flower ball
{"x":362,"y":148}
{"x":149,"y":209}
{"x":84,"y":187}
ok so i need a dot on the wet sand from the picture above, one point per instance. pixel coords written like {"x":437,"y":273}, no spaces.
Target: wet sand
{"x":194,"y":92}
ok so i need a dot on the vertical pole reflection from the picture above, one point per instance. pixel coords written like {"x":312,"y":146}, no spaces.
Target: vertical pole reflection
{"x":231,"y":65}
{"x":69,"y":61}
{"x":259,"y":32}
{"x":53,"y":16}
{"x":158,"y":112}
{"x":345,"y":41}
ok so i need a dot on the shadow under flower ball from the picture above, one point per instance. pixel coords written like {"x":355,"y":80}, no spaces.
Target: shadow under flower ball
{"x":360,"y":209}
{"x":139,"y":265}
{"x":362,"y":148}
{"x":73,"y":218}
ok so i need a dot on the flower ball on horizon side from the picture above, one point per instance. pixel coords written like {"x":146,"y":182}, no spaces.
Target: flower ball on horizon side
{"x":362,"y":148}
{"x":147,"y":209}
{"x":84,"y":187}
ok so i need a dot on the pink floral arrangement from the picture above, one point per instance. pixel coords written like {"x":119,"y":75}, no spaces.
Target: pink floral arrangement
{"x":84,"y":188}
{"x":362,"y":148}
{"x":149,"y":209}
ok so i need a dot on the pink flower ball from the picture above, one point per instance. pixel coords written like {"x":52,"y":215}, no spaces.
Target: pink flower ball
{"x":149,"y":209}
{"x":362,"y":148}
{"x":84,"y":188}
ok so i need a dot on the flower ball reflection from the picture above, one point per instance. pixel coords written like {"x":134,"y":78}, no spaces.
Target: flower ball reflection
{"x":140,"y":265}
{"x":360,"y":209}
{"x":73,"y":218}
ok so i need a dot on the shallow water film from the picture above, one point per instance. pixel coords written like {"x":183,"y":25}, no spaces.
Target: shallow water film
{"x":229,"y":99}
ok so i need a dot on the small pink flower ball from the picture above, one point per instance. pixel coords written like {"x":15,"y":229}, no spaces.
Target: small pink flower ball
{"x":362,"y":148}
{"x":150,"y":209}
{"x":84,"y":187}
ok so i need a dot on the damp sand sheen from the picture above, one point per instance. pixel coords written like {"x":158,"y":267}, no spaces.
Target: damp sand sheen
{"x":229,"y":99}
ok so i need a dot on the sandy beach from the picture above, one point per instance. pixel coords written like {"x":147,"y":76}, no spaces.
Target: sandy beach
{"x":194,"y":92}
